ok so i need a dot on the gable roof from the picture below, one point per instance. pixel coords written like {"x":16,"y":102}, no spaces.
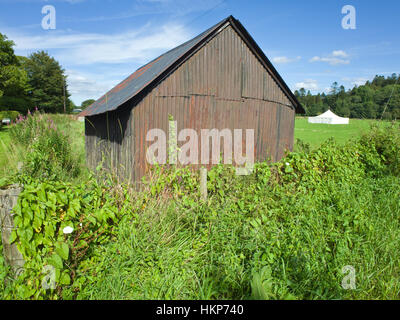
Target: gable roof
{"x":155,"y":71}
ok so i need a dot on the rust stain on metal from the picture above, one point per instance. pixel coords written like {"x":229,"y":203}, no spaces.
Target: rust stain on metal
{"x":225,"y":83}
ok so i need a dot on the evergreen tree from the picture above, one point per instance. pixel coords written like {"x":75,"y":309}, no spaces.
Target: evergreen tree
{"x":48,"y":81}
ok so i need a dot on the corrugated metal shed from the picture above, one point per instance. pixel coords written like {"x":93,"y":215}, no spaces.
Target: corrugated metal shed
{"x":219,"y":80}
{"x":156,"y":70}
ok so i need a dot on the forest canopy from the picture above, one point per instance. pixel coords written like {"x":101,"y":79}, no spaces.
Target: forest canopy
{"x":29,"y":82}
{"x":376,"y":99}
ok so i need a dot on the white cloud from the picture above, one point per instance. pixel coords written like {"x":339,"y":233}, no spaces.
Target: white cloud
{"x":83,"y":86}
{"x":283,"y":59}
{"x":335,"y":58}
{"x":308,"y":84}
{"x":356,"y":81}
{"x":340,"y":53}
{"x":103,"y":60}
{"x":89,"y":48}
{"x":331,"y":60}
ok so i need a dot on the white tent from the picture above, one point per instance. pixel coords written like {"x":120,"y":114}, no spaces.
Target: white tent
{"x":328,"y":117}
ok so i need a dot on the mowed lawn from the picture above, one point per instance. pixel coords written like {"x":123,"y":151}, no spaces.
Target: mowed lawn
{"x":316,"y":133}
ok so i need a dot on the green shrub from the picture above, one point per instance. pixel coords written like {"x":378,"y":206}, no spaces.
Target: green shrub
{"x":20,"y":104}
{"x":49,"y":153}
{"x":3,"y":272}
{"x":283,"y":232}
{"x":12,"y":115}
{"x":386,"y":142}
{"x":270,"y":243}
{"x":43,"y":211}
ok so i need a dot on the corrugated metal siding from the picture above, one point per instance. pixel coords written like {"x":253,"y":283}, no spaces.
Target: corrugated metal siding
{"x":108,"y":139}
{"x":221,"y":86}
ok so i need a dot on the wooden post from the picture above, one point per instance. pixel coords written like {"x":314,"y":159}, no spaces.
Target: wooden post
{"x":203,"y":183}
{"x":8,"y":199}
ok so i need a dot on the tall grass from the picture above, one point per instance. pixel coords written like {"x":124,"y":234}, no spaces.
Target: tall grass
{"x":11,"y":155}
{"x":293,"y":247}
{"x":43,"y":144}
{"x":284,"y":232}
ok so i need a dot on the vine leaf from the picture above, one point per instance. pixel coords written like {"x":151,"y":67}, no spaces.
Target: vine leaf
{"x":55,"y":261}
{"x":62,"y":250}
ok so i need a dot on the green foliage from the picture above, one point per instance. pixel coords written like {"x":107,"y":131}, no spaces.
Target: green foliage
{"x":283,"y":232}
{"x":7,"y":56}
{"x":377,"y":98}
{"x":21,"y":104}
{"x":50,"y":154}
{"x":12,"y":115}
{"x":386,"y":142}
{"x":13,"y":81}
{"x":43,"y":210}
{"x":13,"y":78}
{"x":13,"y":153}
{"x":87,"y":103}
{"x":3,"y":272}
{"x":48,"y":82}
{"x":176,"y":181}
{"x":265,"y":287}
{"x":34,"y":81}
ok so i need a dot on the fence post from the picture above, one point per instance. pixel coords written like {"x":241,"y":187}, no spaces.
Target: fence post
{"x":8,"y":199}
{"x":203,"y":183}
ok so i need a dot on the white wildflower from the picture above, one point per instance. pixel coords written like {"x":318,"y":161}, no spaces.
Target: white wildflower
{"x":68,"y":230}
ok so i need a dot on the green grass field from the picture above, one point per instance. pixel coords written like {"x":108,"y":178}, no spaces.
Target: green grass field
{"x":315,"y":133}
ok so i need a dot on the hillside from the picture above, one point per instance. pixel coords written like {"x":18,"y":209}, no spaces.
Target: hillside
{"x":376,"y":99}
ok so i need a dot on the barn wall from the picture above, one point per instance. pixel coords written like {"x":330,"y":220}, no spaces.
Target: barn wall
{"x":108,"y":139}
{"x":223,"y":85}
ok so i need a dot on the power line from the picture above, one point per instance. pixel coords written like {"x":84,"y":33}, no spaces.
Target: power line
{"x":207,"y":12}
{"x":390,"y":97}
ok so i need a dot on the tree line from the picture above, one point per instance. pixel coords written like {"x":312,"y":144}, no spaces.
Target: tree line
{"x":36,"y":81}
{"x":376,"y":99}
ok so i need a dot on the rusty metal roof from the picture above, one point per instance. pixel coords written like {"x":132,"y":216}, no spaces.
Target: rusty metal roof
{"x":156,"y":70}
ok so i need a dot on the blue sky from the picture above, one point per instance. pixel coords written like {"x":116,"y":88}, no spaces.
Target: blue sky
{"x":100,"y":42}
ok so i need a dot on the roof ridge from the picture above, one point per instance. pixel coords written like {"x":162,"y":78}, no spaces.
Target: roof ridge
{"x":156,"y":69}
